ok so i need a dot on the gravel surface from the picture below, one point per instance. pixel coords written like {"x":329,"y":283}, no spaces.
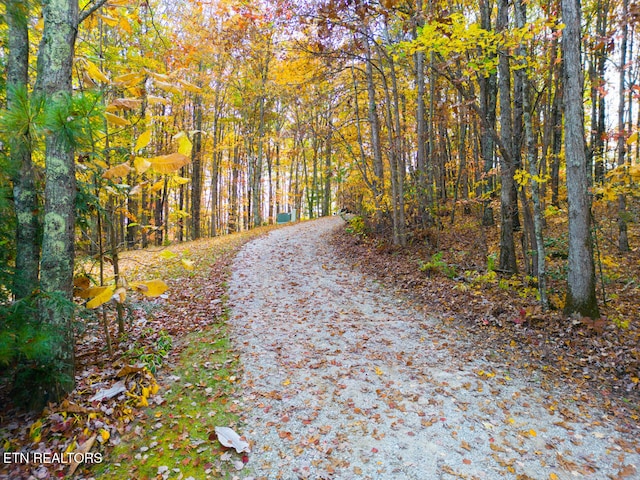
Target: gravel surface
{"x":344,"y":380}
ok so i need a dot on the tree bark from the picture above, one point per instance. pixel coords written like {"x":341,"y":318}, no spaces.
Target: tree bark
{"x":623,"y":237}
{"x":25,"y":195}
{"x":196,"y":177}
{"x":507,"y":198}
{"x":55,"y":62}
{"x":581,"y":292}
{"x":488,"y":100}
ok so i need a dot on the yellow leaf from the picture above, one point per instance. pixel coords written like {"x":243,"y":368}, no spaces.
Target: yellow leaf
{"x":91,"y":292}
{"x":35,"y":431}
{"x":168,"y":87}
{"x":135,"y":190}
{"x":159,"y":185}
{"x":184,"y":144}
{"x":553,"y":476}
{"x":143,"y":140}
{"x":532,"y":433}
{"x":632,"y":138}
{"x":286,"y":382}
{"x":153,"y":388}
{"x":141,"y":164}
{"x":378,"y":371}
{"x":124,"y":25}
{"x":126,"y":103}
{"x":145,"y":392}
{"x":153,"y":100}
{"x":102,"y":297}
{"x":190,"y":87}
{"x":169,"y":163}
{"x":175,"y":181}
{"x":152,"y":288}
{"x":95,"y":73}
{"x":158,"y":76}
{"x":187,"y":264}
{"x":104,"y":435}
{"x":112,"y":22}
{"x":72,"y":446}
{"x":117,"y":171}
{"x":116,"y":120}
{"x":128,"y":79}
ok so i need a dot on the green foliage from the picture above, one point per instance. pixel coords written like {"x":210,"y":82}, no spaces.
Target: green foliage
{"x":491,"y":262}
{"x":557,"y":247}
{"x":437,"y":265}
{"x":75,"y":118}
{"x":357,"y":226}
{"x":7,"y":239}
{"x":23,"y":122}
{"x":153,"y":357}
{"x":27,"y":347}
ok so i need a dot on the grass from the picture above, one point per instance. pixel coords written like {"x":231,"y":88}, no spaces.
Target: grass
{"x":176,"y":439}
{"x":179,"y":434}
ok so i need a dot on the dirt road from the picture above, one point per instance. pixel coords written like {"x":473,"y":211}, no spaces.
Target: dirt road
{"x":344,"y":380}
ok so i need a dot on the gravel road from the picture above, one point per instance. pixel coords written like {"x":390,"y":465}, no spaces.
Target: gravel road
{"x":343,"y":379}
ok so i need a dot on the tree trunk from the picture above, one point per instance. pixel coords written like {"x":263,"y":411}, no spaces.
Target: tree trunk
{"x":25,"y":196}
{"x":55,"y":62}
{"x":196,"y":177}
{"x":374,"y":125}
{"x":623,"y":238}
{"x":488,"y":100}
{"x":507,"y":200}
{"x":581,"y":291}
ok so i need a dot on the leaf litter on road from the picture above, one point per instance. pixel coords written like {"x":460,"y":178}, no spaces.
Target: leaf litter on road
{"x":373,"y":388}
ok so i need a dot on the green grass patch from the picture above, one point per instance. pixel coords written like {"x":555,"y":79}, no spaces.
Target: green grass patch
{"x":178,"y":437}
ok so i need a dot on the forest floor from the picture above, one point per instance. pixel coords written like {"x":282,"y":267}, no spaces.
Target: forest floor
{"x":174,"y":360}
{"x":345,"y":358}
{"x":344,"y":378}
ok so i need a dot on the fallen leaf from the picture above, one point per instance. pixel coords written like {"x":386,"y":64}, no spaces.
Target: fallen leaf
{"x":229,"y":438}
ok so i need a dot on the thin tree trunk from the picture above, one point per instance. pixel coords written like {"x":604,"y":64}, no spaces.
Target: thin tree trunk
{"x":507,"y":200}
{"x":25,"y":195}
{"x":623,"y":238}
{"x":196,"y":177}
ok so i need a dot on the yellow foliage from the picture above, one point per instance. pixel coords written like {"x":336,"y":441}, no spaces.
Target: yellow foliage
{"x":104,"y":435}
{"x":128,"y":79}
{"x":190,"y":87}
{"x":151,"y":288}
{"x":125,"y":104}
{"x":117,"y":171}
{"x":116,"y":120}
{"x":141,"y":164}
{"x":103,"y":297}
{"x":94,"y":72}
{"x":165,"y":164}
{"x":120,"y":294}
{"x":143,"y":140}
{"x":184,"y":144}
{"x":168,"y":87}
{"x":159,"y":185}
{"x":187,"y":264}
{"x":153,"y":100}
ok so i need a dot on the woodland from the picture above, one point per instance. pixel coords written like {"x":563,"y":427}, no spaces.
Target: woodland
{"x":487,"y":155}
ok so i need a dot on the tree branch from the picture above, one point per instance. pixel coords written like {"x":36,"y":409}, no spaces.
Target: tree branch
{"x":96,"y":6}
